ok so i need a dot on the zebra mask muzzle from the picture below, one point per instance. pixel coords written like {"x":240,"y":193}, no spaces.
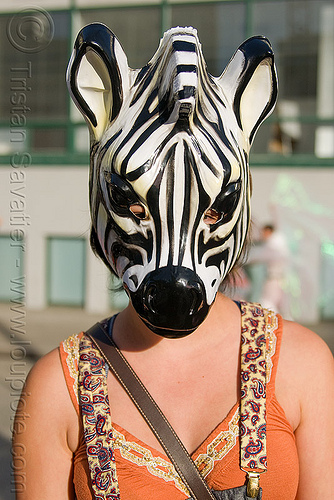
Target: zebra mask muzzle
{"x":171,"y":301}
{"x":169,"y":178}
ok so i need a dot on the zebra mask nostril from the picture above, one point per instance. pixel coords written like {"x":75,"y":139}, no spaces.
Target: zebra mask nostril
{"x":196,"y":301}
{"x":150,"y":302}
{"x":165,"y":298}
{"x":171,"y":301}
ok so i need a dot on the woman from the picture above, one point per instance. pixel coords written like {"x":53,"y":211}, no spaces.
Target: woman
{"x":169,"y":200}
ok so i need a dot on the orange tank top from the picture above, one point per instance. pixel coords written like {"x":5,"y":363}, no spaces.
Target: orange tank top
{"x":145,"y":473}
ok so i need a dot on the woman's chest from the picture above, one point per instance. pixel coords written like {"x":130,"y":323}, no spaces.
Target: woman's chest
{"x":195,"y":398}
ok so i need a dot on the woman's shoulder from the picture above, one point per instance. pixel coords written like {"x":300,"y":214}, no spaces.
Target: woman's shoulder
{"x":307,"y":360}
{"x":45,"y":390}
{"x":306,"y":392}
{"x":305,"y":371}
{"x":46,"y":372}
{"x":46,"y":394}
{"x":46,"y":430}
{"x":45,"y":384}
{"x":304,"y":347}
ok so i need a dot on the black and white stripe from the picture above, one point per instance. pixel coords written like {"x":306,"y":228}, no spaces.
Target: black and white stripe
{"x":176,"y":144}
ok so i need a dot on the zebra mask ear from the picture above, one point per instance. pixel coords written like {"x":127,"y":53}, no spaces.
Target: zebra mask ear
{"x":250,"y":83}
{"x":96,"y":76}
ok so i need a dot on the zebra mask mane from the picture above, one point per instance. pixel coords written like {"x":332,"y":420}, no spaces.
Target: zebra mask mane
{"x":169,"y":178}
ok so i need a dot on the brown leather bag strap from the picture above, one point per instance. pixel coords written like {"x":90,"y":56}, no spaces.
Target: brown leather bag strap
{"x":158,"y":423}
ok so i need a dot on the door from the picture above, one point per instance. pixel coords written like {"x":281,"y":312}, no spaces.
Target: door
{"x":66,"y":271}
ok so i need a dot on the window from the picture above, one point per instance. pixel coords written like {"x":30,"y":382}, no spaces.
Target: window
{"x":33,"y":90}
{"x":301,"y":130}
{"x":66,"y":271}
{"x":218,"y":35}
{"x":302,"y":34}
{"x":130,"y":25}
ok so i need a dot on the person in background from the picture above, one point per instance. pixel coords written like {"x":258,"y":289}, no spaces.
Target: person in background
{"x":272,"y":253}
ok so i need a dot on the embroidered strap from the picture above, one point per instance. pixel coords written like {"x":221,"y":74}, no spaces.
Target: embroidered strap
{"x":253,"y":453}
{"x":98,"y":432}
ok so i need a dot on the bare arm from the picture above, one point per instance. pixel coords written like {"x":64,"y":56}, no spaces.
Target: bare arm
{"x":315,"y":433}
{"x":41,"y":441}
{"x":309,"y":368}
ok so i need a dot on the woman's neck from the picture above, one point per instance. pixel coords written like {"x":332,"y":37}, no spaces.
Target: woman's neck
{"x":131,"y":334}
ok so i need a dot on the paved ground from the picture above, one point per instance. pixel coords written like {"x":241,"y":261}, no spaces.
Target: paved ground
{"x":37,"y":333}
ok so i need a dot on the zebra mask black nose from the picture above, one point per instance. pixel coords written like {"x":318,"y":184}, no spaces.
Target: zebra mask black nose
{"x":169,"y":179}
{"x":171,"y":301}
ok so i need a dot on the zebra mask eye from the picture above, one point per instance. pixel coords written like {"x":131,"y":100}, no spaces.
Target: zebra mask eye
{"x":169,"y":179}
{"x":224,"y":205}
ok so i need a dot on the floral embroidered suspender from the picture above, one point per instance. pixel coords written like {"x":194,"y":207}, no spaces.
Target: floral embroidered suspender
{"x":253,"y":450}
{"x":95,"y":409}
{"x":98,"y":431}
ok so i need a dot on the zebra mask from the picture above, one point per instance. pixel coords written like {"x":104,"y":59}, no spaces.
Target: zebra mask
{"x":169,"y":179}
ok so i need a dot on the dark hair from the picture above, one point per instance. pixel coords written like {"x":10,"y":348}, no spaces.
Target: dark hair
{"x":230,"y":281}
{"x":97,"y":250}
